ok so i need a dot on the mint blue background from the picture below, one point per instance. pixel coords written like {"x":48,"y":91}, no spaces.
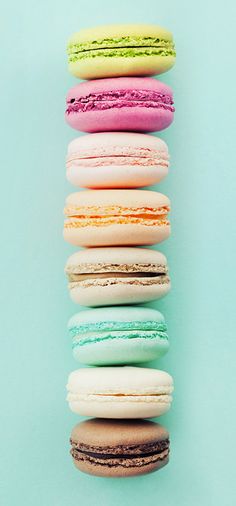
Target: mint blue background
{"x":36,"y":468}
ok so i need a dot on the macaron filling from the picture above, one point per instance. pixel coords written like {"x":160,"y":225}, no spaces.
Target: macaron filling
{"x":78,"y":217}
{"x":159,"y":395}
{"x":90,"y":338}
{"x":118,"y":99}
{"x":123,"y":455}
{"x":84,"y":328}
{"x":102,"y":331}
{"x":85,"y":275}
{"x":120,"y":47}
{"x":115,"y":155}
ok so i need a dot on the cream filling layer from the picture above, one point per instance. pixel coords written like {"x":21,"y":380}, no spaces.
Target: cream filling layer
{"x":82,"y":222}
{"x":102,"y":268}
{"x":109,"y":211}
{"x":113,"y":155}
{"x":95,"y":216}
{"x":104,"y":275}
{"x":151,"y":398}
{"x":90,"y":283}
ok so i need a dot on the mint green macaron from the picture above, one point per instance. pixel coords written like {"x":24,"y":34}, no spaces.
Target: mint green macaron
{"x":118,"y":335}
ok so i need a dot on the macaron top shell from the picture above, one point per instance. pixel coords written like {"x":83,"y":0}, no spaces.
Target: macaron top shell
{"x":117,"y":31}
{"x":120,"y":380}
{"x":119,"y":256}
{"x":94,"y":201}
{"x":108,"y":315}
{"x":106,"y":144}
{"x":115,"y":85}
{"x":101,"y":432}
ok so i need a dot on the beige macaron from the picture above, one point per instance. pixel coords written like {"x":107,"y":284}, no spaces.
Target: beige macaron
{"x":119,"y":392}
{"x":111,"y":276}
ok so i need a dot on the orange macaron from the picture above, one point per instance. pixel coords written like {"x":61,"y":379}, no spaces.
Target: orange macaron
{"x":116,"y":218}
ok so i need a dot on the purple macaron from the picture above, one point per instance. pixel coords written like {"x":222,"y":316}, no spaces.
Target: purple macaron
{"x":141,"y":104}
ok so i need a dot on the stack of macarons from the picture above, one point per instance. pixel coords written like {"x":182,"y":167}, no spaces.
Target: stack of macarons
{"x":113,"y":220}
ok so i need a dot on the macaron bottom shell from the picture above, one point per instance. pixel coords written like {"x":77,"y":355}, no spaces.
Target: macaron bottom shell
{"x":102,"y":66}
{"x":116,"y":235}
{"x":116,"y":176}
{"x":116,"y":292}
{"x":115,"y":470}
{"x":119,"y":350}
{"x":130,"y":119}
{"x":120,"y":407}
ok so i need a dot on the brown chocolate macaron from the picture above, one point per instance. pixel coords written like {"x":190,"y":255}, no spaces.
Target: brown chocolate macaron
{"x":119,"y":448}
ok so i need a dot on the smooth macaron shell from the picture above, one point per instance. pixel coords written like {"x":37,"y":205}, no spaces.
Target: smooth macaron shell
{"x":139,"y":104}
{"x":116,"y":160}
{"x":119,"y":448}
{"x":120,"y":50}
{"x":116,"y":218}
{"x":118,"y":335}
{"x":112,"y":276}
{"x":119,"y":392}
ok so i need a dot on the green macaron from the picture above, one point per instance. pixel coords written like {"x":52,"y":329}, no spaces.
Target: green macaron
{"x":118,"y":335}
{"x":120,"y":50}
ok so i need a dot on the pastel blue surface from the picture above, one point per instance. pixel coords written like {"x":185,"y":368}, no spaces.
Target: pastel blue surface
{"x":36,"y":468}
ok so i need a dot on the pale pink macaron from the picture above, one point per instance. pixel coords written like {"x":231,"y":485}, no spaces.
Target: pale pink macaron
{"x":116,"y":160}
{"x":116,"y":218}
{"x":139,"y":104}
{"x":114,"y":276}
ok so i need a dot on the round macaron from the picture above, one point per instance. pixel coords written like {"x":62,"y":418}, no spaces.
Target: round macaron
{"x":119,"y":392}
{"x":120,"y":50}
{"x":116,"y":218}
{"x":119,"y":448}
{"x":139,"y":104}
{"x":111,"y":276}
{"x":118,"y":335}
{"x":116,"y":160}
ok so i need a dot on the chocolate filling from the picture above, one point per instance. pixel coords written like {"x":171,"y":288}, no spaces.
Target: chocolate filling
{"x":141,"y":451}
{"x":107,"y":456}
